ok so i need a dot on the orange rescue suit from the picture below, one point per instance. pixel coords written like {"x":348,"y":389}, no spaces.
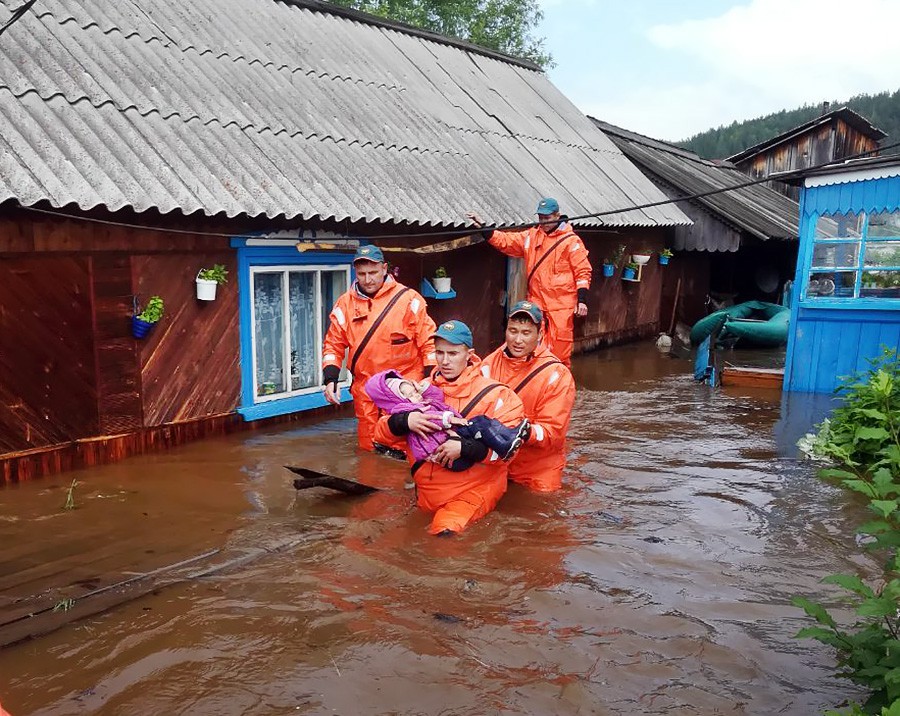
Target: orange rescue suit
{"x":459,"y":498}
{"x":554,"y":284}
{"x":402,"y":342}
{"x":548,"y":396}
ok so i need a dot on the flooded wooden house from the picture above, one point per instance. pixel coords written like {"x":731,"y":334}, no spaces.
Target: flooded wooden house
{"x":846,"y":307}
{"x":144,"y":142}
{"x":834,"y":135}
{"x":742,"y":244}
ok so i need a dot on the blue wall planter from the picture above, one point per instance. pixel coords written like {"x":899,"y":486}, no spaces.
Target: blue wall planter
{"x":629,"y":274}
{"x":140,"y":328}
{"x":608,"y":270}
{"x":663,"y":260}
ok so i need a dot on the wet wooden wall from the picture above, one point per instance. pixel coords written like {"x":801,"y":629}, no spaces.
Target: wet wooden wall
{"x":49,"y":387}
{"x":72,"y":370}
{"x":190,"y":361}
{"x":620,"y":310}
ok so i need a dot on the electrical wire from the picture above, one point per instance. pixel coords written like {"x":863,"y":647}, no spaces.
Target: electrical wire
{"x":446,"y":233}
{"x":16,"y":15}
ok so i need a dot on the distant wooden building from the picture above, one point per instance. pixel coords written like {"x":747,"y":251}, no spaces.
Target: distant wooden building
{"x":834,"y":135}
{"x":743,"y":239}
{"x":272,"y":137}
{"x":846,"y":307}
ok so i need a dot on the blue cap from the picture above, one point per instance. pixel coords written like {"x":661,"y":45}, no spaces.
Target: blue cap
{"x":547,"y":206}
{"x":455,"y":332}
{"x":530,"y":309}
{"x":369,"y":253}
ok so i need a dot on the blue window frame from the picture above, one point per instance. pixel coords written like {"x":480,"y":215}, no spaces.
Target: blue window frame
{"x":854,"y":256}
{"x":285,"y":300}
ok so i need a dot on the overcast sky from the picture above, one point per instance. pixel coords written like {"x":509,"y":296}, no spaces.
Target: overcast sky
{"x":670,"y":69}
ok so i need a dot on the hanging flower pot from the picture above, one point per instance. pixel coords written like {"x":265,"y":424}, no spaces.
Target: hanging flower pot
{"x":143,"y":322}
{"x":206,"y":289}
{"x":208,"y":279}
{"x":663,"y":260}
{"x":441,"y":280}
{"x":140,"y":328}
{"x":664,"y":256}
{"x":640,"y":259}
{"x":608,"y":270}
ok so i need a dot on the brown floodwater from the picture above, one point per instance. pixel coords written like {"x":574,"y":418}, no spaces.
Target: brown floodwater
{"x":658,"y":581}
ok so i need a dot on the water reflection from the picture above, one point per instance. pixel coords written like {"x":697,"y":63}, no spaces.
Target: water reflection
{"x":657,"y":581}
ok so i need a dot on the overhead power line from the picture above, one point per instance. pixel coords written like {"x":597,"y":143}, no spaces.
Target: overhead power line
{"x":16,"y":15}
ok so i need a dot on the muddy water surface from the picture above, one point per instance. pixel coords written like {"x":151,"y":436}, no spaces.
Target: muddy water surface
{"x":658,"y":581}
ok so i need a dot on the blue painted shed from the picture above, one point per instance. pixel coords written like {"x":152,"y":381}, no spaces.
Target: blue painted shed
{"x":845,"y":305}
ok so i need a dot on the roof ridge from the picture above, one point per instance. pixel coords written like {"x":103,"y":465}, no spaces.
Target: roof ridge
{"x":369,"y":19}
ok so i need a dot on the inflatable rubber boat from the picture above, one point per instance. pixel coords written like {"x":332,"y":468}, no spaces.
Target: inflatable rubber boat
{"x":754,"y":323}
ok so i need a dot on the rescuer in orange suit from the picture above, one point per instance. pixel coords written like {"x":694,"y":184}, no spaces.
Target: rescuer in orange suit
{"x":557,"y":268}
{"x":547,"y":391}
{"x":383,"y":324}
{"x":457,"y":498}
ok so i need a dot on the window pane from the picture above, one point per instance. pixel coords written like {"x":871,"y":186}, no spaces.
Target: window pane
{"x":884,"y":225}
{"x":334,"y":283}
{"x":269,"y":330}
{"x":835,"y":284}
{"x":883,"y":284}
{"x":839,"y":226}
{"x":304,"y":351}
{"x":836,"y":254}
{"x":883,"y":253}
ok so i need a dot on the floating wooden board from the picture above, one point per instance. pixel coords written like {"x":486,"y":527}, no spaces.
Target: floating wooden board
{"x":753,"y":377}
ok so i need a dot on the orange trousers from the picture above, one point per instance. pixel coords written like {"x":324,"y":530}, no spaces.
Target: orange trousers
{"x":561,"y":334}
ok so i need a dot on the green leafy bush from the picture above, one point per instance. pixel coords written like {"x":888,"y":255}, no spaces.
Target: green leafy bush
{"x":153,"y":311}
{"x":861,"y":441}
{"x":440,"y":272}
{"x":217,"y":273}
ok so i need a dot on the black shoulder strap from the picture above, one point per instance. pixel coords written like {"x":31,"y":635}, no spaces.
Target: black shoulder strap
{"x":528,"y":378}
{"x":374,"y":327}
{"x":481,"y":393}
{"x":546,"y":254}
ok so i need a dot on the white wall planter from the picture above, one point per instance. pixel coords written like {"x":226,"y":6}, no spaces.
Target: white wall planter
{"x":206,"y":289}
{"x":640,"y":259}
{"x":441,"y":285}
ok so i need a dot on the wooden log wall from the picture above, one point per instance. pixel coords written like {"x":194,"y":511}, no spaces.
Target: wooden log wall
{"x":190,"y":362}
{"x":49,"y":389}
{"x":618,"y":310}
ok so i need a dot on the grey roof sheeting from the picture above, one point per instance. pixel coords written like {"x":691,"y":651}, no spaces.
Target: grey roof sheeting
{"x":758,"y":210}
{"x":258,"y":107}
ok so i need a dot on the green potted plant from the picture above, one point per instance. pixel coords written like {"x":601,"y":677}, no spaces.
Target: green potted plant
{"x":629,"y":273}
{"x":441,"y":280}
{"x":664,"y":256}
{"x":611,"y":262}
{"x":208,"y":279}
{"x":142,"y":322}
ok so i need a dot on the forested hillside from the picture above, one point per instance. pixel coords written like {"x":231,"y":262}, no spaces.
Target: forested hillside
{"x":882,"y":110}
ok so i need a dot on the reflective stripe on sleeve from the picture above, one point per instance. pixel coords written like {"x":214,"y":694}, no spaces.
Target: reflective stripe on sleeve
{"x":339,"y":315}
{"x":553,"y":378}
{"x":329,"y":357}
{"x":414,"y":305}
{"x":537,"y":431}
{"x":582,"y":284}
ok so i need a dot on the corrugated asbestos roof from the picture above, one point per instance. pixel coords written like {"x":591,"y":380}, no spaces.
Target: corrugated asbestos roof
{"x":758,"y":210}
{"x":259,"y":107}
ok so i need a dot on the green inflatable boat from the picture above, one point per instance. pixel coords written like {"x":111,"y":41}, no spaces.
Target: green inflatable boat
{"x":754,"y":323}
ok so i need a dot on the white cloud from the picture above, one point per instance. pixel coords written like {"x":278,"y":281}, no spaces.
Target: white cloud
{"x":794,"y":51}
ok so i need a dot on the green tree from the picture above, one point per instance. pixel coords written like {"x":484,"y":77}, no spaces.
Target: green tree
{"x":502,"y":25}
